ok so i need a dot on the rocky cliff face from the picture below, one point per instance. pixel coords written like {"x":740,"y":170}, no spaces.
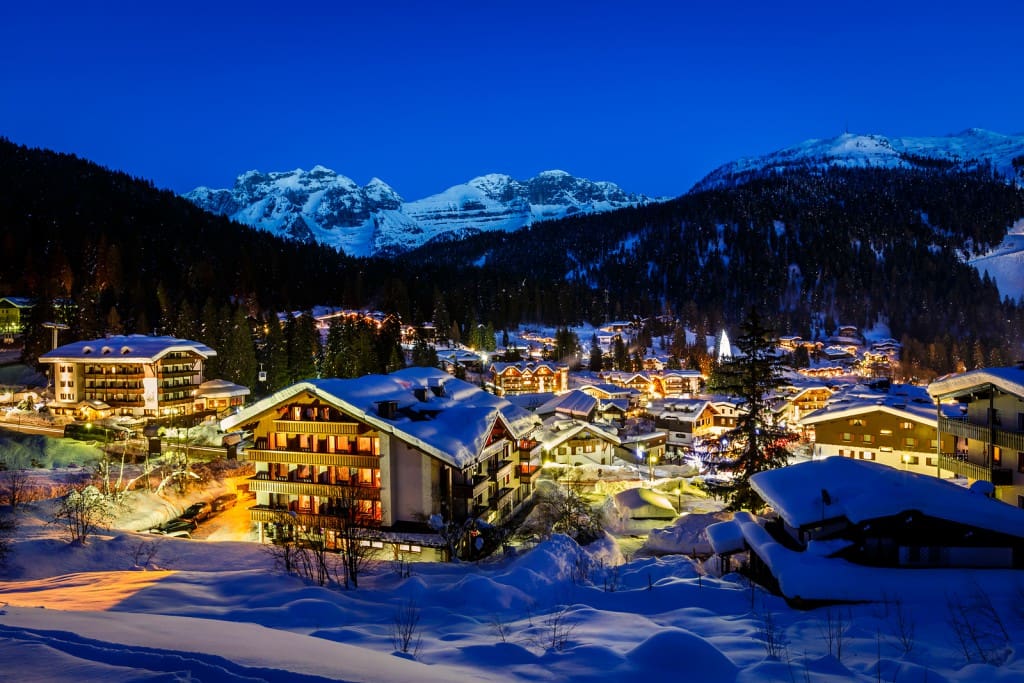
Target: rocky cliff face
{"x":323,"y":206}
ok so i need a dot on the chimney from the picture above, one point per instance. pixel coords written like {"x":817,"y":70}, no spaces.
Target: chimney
{"x":436,"y":385}
{"x":420,"y":393}
{"x":387,"y":409}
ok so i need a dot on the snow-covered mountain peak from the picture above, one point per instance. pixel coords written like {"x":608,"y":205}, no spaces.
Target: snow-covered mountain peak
{"x":966,"y":149}
{"x":321,"y":205}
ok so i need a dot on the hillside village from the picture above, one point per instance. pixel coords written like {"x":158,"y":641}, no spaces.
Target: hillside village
{"x":445,"y":462}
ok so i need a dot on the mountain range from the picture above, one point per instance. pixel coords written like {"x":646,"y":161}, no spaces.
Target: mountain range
{"x":967,"y":150}
{"x":322,"y":206}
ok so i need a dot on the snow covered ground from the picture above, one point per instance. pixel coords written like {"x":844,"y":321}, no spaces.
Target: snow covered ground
{"x":137,"y":607}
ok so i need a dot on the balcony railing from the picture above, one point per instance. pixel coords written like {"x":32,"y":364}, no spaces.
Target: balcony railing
{"x":494,"y":448}
{"x":263,"y":483}
{"x":960,"y":427}
{"x":266,"y":513}
{"x":480,"y":486}
{"x":504,"y":468}
{"x":529,"y":473}
{"x":316,"y":427}
{"x":309,"y":458}
{"x":958,"y":464}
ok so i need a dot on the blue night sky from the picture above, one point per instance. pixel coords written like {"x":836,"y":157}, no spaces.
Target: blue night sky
{"x":426,"y":95}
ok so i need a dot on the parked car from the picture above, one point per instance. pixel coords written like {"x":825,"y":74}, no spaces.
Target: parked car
{"x":175,"y":527}
{"x":225,"y":502}
{"x":197,"y":511}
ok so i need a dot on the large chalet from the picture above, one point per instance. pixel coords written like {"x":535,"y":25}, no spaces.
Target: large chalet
{"x":386,"y":452}
{"x":987,"y":430}
{"x":135,"y":375}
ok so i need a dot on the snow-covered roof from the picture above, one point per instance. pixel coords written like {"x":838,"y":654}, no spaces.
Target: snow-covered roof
{"x":18,"y":301}
{"x":557,"y":431}
{"x":574,"y":402}
{"x":1007,"y":379}
{"x":130,"y":348}
{"x":902,"y":400}
{"x":220,"y":388}
{"x":452,"y":427}
{"x":611,"y":389}
{"x":527,"y":366}
{"x":860,"y":490}
{"x":727,"y":537}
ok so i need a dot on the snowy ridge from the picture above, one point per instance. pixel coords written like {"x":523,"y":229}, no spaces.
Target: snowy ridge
{"x":966,"y":149}
{"x":322,"y":206}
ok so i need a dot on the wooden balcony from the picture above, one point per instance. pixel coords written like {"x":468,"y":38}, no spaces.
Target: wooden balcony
{"x":528,"y":474}
{"x":999,"y":476}
{"x":263,"y":513}
{"x":505,"y":467}
{"x":263,"y":483}
{"x":480,"y":486}
{"x":503,"y":496}
{"x":317,"y":427}
{"x":1013,"y":441}
{"x":361,"y":461}
{"x":495,"y":448}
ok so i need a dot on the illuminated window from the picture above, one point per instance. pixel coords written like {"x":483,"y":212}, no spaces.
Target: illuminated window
{"x":847,"y":436}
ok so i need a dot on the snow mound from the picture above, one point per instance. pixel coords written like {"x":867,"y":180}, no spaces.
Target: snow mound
{"x":669,"y":647}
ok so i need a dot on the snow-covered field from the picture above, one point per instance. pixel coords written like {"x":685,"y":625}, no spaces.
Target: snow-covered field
{"x":136,"y":607}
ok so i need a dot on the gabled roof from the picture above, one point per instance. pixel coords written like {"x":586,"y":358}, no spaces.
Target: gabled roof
{"x":557,"y":431}
{"x":453,"y":427}
{"x":574,"y":402}
{"x":904,"y":401}
{"x":861,"y":490}
{"x":1009,"y":380}
{"x":18,"y":301}
{"x":216,"y":388}
{"x":130,"y":348}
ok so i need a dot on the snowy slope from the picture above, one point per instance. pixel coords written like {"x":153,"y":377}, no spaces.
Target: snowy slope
{"x":1005,"y":263}
{"x":322,"y":206}
{"x":967,"y":149}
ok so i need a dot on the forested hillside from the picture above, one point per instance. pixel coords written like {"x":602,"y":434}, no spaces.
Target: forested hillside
{"x":850,"y":244}
{"x":807,"y":248}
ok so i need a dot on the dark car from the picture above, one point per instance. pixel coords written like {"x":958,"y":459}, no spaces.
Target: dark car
{"x":197,"y":512}
{"x":175,"y":527}
{"x":224,"y":502}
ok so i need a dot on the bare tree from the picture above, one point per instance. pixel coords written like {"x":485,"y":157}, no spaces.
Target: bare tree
{"x":555,"y":631}
{"x":564,"y":511}
{"x":83,"y":512}
{"x":405,"y":628}
{"x":14,"y":488}
{"x":8,"y":526}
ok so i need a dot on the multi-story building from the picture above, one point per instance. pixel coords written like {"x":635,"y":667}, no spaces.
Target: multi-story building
{"x":13,"y":311}
{"x":986,"y":431}
{"x":131,"y":375}
{"x":386,"y":452}
{"x":895,"y":428}
{"x":683,"y":420}
{"x":529,"y":377}
{"x":569,"y":441}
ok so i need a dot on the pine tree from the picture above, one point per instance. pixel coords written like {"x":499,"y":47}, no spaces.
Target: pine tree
{"x":238,"y":362}
{"x":596,"y":356}
{"x":755,"y":444}
{"x":620,"y":357}
{"x":275,"y":355}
